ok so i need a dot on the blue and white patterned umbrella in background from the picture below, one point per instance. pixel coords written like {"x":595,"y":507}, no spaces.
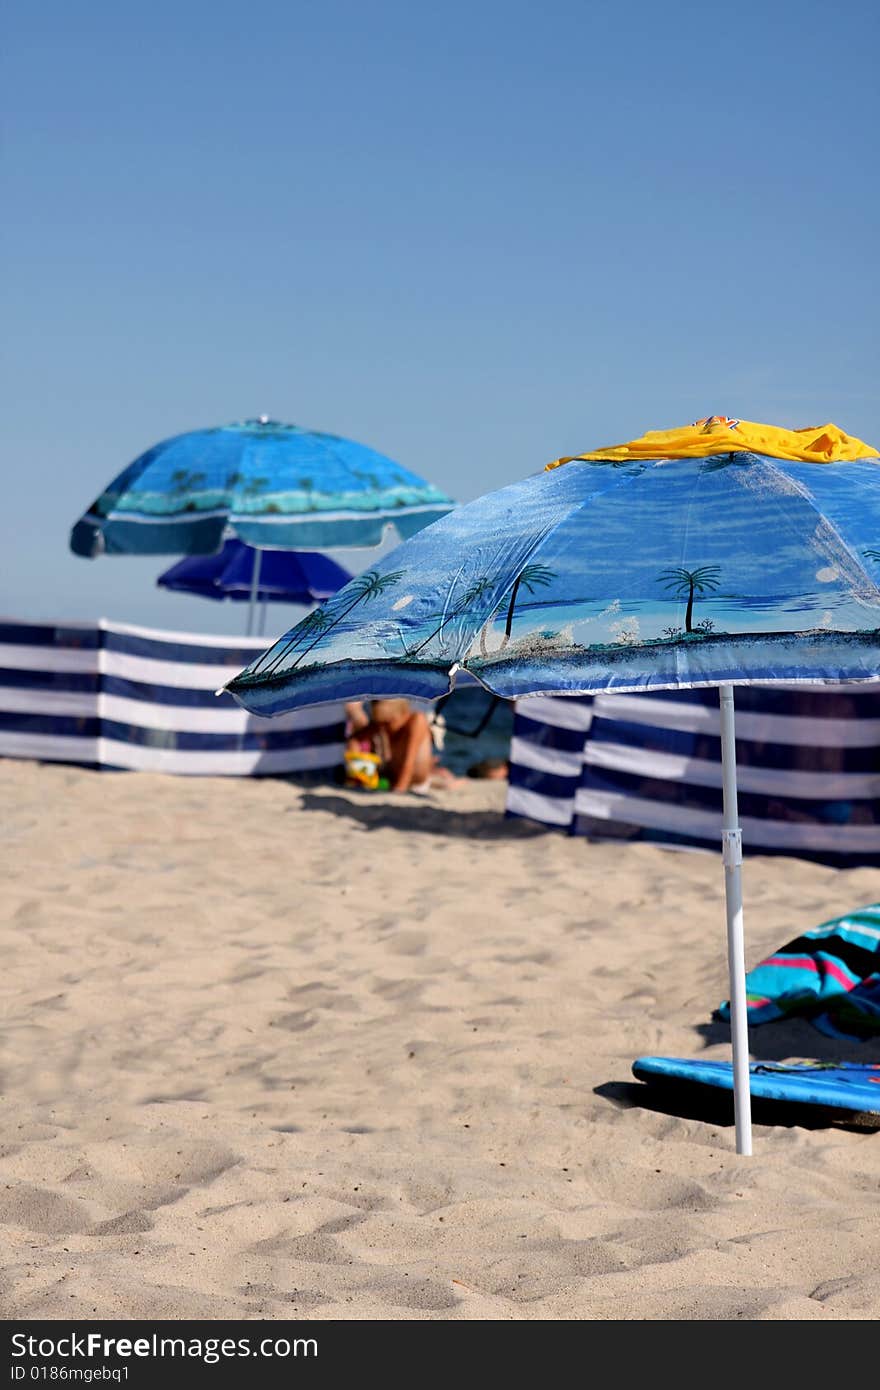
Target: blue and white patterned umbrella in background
{"x":620,"y":571}
{"x":273,"y":486}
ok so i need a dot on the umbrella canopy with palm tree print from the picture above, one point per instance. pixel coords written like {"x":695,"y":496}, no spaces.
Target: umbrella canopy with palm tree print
{"x":709,"y":564}
{"x":274,"y":486}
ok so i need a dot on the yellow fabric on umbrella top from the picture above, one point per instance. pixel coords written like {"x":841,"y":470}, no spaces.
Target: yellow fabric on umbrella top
{"x":720,"y":434}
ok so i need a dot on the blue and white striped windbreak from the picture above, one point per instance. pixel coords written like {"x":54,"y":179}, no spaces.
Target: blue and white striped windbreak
{"x":648,"y":767}
{"x":109,"y":695}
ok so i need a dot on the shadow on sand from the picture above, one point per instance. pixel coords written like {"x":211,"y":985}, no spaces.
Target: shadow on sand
{"x":792,"y":1039}
{"x":430,"y":818}
{"x":788,"y":1040}
{"x":715,"y":1107}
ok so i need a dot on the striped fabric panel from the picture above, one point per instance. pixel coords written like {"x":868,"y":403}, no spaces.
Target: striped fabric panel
{"x":116,"y":696}
{"x":650,"y":768}
{"x":547,"y":756}
{"x":830,"y":974}
{"x":832,"y":717}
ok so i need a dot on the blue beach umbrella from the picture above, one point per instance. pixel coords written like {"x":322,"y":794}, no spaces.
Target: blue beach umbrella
{"x":273,"y":486}
{"x":683,"y":559}
{"x":282,"y":576}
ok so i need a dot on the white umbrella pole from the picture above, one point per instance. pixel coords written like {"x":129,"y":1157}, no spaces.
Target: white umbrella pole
{"x":731,"y":837}
{"x":255,"y":589}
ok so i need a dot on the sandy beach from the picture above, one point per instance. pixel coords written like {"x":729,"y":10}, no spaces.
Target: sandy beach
{"x":277,"y":1052}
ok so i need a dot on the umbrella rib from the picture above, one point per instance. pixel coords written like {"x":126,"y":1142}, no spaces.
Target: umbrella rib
{"x":811,"y":502}
{"x":687,"y":526}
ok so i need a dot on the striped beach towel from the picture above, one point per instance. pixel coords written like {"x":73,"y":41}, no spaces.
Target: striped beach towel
{"x":830,"y":975}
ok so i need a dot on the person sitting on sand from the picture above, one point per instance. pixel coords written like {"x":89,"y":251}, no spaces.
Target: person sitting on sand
{"x":356,"y":718}
{"x":402,"y":738}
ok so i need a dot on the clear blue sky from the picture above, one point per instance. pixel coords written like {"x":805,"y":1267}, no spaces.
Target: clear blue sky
{"x":473,"y":235}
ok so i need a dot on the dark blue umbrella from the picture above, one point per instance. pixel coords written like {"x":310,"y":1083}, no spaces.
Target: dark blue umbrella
{"x":274,"y":486}
{"x":285,"y":576}
{"x":279,"y":576}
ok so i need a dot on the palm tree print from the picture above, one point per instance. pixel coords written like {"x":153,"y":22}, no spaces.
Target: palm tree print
{"x":312,"y":625}
{"x":691,"y":582}
{"x":369,"y":478}
{"x":182,"y":480}
{"x":472,"y":594}
{"x":367,"y":587}
{"x":531,"y":577}
{"x":253,"y":486}
{"x":307,"y":485}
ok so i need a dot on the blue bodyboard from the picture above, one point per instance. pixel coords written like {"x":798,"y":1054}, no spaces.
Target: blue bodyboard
{"x":847,"y":1092}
